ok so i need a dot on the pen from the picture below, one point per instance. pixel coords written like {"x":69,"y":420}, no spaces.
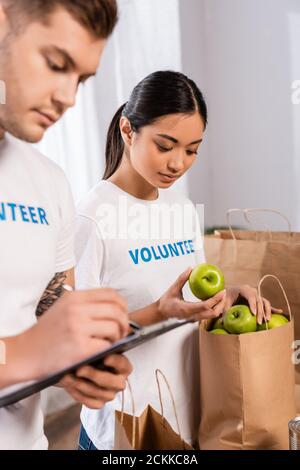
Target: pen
{"x":67,"y":287}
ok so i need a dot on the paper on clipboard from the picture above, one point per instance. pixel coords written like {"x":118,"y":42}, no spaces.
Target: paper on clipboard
{"x":139,"y":335}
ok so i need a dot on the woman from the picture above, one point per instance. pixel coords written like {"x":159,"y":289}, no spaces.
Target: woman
{"x":152,"y":141}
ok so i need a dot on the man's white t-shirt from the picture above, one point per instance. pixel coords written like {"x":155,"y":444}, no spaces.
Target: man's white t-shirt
{"x":141,"y":266}
{"x":36,"y":241}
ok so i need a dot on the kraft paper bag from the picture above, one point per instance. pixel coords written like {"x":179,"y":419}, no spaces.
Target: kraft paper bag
{"x":247,"y":389}
{"x":153,"y":432}
{"x":149,"y":431}
{"x":251,"y":255}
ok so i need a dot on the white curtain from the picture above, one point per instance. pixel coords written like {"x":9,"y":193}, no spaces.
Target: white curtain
{"x":146,"y":39}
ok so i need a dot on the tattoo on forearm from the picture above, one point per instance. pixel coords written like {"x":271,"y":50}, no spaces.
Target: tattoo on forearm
{"x":53,"y":291}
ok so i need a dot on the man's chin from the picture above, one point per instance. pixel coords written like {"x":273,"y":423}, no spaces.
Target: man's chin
{"x":31,"y":135}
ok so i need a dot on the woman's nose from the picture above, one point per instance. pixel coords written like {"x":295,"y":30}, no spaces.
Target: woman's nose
{"x":176,"y":164}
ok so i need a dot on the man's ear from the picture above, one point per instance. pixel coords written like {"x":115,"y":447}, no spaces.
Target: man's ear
{"x":126,"y":130}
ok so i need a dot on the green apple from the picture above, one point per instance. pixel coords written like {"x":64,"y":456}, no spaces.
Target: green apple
{"x":275,"y":321}
{"x":220,"y":331}
{"x":218,"y":324}
{"x":206,"y":280}
{"x":239,"y":319}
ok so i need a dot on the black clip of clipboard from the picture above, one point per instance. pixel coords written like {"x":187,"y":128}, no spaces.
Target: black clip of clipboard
{"x":138,"y":336}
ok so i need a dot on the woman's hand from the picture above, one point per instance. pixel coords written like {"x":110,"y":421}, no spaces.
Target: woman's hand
{"x":172,"y":304}
{"x":249,"y":295}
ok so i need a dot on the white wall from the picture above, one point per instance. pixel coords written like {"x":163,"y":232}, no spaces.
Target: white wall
{"x":240,"y":52}
{"x":193,"y":52}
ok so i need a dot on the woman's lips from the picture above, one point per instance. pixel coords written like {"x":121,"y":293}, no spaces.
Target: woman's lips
{"x":168,"y":178}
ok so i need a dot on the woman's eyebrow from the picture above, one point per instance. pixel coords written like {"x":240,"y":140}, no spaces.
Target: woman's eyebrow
{"x":175,"y":141}
{"x":165,"y":136}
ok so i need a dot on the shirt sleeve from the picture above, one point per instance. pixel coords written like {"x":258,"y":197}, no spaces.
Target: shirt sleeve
{"x":65,"y":256}
{"x":89,"y":252}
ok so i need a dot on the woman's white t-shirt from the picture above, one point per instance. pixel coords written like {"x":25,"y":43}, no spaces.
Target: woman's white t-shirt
{"x":139,"y":248}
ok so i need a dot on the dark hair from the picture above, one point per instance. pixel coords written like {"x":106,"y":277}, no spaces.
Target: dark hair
{"x":159,"y":94}
{"x":98,"y":16}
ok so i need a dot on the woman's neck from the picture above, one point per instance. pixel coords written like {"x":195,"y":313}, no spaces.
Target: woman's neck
{"x":127,"y":179}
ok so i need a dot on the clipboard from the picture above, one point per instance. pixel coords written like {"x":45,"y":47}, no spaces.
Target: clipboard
{"x":138,"y":336}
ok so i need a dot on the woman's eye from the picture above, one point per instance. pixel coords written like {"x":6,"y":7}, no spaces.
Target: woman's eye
{"x":191,"y":152}
{"x":163,"y":149}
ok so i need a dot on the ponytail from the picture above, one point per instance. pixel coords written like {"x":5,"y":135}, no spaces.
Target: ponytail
{"x":114,"y":145}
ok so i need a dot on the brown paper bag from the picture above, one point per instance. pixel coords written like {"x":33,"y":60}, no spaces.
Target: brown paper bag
{"x":247,"y":388}
{"x":150,"y":431}
{"x":245,"y":256}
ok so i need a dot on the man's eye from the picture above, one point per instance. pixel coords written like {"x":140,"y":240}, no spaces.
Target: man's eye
{"x":56,"y":68}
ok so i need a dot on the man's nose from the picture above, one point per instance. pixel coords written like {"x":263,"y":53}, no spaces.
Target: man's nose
{"x":65,"y":95}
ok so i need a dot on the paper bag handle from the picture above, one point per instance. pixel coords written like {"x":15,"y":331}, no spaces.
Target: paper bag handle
{"x":273,"y":211}
{"x":228,"y":214}
{"x":249,"y":210}
{"x":158,"y":371}
{"x":228,"y":219}
{"x":133,"y":412}
{"x":283,"y":291}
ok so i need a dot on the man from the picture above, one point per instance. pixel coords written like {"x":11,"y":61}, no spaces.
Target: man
{"x":47,"y":48}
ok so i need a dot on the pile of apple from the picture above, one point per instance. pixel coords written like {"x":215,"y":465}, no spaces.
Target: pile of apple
{"x":205,"y":281}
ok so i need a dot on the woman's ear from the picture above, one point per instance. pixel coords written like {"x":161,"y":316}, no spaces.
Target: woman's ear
{"x":126,"y":130}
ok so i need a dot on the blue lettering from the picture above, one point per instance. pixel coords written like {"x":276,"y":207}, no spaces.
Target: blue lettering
{"x":42,"y":215}
{"x":154,"y":253}
{"x":33,"y":215}
{"x":13,"y":210}
{"x":191,"y":243}
{"x":173,"y":249}
{"x":143,"y":252}
{"x":2,"y":212}
{"x":186,"y":246}
{"x":134,"y":256}
{"x":24,"y":214}
{"x":163,"y":255}
{"x":159,"y":252}
{"x":180,"y":246}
